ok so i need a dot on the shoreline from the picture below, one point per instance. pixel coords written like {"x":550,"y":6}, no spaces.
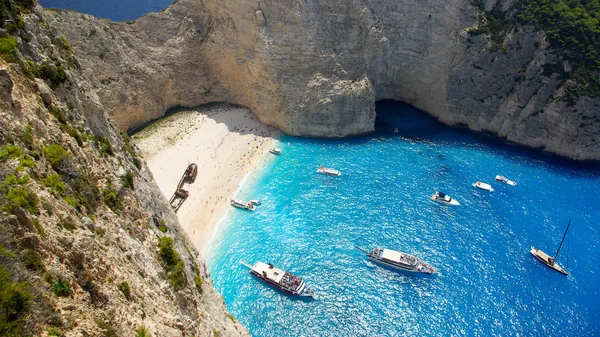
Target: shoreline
{"x":226,"y":142}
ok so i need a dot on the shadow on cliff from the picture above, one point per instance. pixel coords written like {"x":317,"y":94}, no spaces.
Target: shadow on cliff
{"x":399,"y":119}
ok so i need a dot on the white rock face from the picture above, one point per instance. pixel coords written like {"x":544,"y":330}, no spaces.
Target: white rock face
{"x":316,"y":68}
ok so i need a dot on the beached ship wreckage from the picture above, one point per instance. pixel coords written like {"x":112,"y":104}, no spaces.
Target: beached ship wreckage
{"x":180,"y":195}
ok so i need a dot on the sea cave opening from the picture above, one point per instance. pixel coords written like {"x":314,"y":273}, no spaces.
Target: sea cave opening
{"x":397,"y":117}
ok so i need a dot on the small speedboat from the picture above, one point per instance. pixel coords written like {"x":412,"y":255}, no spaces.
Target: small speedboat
{"x":444,"y":199}
{"x":483,"y":186}
{"x":399,"y":261}
{"x":281,"y":280}
{"x":505,"y":180}
{"x":241,"y":204}
{"x":328,"y":171}
{"x":275,"y":150}
{"x":255,"y":202}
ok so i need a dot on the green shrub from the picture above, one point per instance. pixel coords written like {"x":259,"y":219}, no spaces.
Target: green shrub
{"x":129,"y":149}
{"x":85,"y":190}
{"x":172,"y":262}
{"x":32,"y":260}
{"x":27,"y":137}
{"x":58,"y":114}
{"x":216,"y":333}
{"x":8,"y":48}
{"x":67,"y":223}
{"x":127,"y":180}
{"x":124,"y":288}
{"x":112,"y":199}
{"x":64,"y":44}
{"x":10,"y":151}
{"x":198,"y":282}
{"x":108,"y":330}
{"x":56,"y":155}
{"x":21,"y":197}
{"x":143,"y":332}
{"x":25,"y":161}
{"x":73,"y":133}
{"x":41,"y":231}
{"x":14,"y":301}
{"x":163,"y":228}
{"x":12,"y":180}
{"x":62,"y":287}
{"x":54,"y":182}
{"x":137,"y":162}
{"x":100,"y":231}
{"x":71,"y":201}
{"x":55,"y":74}
{"x":104,"y":146}
{"x":54,"y":332}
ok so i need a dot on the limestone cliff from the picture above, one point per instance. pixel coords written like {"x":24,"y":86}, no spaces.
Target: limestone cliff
{"x":88,"y":245}
{"x":316,"y":68}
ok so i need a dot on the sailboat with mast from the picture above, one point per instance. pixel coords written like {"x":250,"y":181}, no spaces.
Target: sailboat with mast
{"x":547,"y":259}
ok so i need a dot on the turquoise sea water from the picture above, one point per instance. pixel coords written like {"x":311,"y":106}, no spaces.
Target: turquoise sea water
{"x":116,"y":10}
{"x":489,"y":284}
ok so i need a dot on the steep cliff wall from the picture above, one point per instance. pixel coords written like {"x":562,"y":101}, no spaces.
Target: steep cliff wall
{"x":88,"y":245}
{"x":316,"y":68}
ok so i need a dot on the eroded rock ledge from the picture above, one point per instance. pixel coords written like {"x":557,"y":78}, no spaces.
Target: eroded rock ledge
{"x":316,"y":68}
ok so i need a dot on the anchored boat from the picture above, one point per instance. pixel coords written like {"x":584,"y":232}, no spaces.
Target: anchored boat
{"x":275,"y":150}
{"x":279,"y":279}
{"x":547,"y":259}
{"x":242,"y":204}
{"x":505,"y":180}
{"x":444,"y":199}
{"x":328,"y":171}
{"x":483,"y":186}
{"x":399,"y":261}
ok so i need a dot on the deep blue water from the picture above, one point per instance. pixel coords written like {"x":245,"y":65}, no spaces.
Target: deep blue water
{"x":116,"y":10}
{"x":489,"y":284}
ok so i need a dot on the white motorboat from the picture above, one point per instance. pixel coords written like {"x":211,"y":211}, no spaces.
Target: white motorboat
{"x":328,"y":171}
{"x":399,"y":261}
{"x":275,"y":150}
{"x":483,"y":186}
{"x":444,"y":199}
{"x":241,"y":204}
{"x":255,"y":202}
{"x":279,"y":279}
{"x":505,"y":180}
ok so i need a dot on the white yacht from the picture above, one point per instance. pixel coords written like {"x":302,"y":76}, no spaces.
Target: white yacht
{"x":399,"y":261}
{"x":505,"y":180}
{"x":282,"y":280}
{"x":483,"y":186}
{"x":275,"y":150}
{"x":328,"y":171}
{"x":444,"y":199}
{"x":241,"y":204}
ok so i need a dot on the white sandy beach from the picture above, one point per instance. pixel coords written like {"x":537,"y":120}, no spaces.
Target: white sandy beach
{"x":225,"y":142}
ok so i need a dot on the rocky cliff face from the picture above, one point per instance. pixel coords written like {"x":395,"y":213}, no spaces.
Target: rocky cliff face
{"x":88,"y":246}
{"x":316,"y":68}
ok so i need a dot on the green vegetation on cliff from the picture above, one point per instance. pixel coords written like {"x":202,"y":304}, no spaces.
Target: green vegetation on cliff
{"x":172,"y":262}
{"x":572,"y":27}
